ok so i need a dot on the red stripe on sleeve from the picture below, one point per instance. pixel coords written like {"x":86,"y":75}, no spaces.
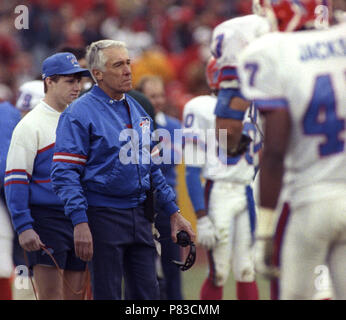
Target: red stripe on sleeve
{"x":18,"y":170}
{"x":42,"y":181}
{"x":15,"y":182}
{"x":70,"y":155}
{"x":69,"y":161}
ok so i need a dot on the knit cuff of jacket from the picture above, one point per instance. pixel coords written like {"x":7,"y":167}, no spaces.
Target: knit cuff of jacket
{"x":78,"y":217}
{"x":170,"y":208}
{"x":23,"y":228}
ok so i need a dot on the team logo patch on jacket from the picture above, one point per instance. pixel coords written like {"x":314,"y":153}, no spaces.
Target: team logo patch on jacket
{"x":145,"y":124}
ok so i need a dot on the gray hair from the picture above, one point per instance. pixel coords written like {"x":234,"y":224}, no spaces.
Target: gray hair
{"x":94,"y":56}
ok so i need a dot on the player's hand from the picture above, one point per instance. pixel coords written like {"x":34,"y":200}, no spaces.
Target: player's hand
{"x":242,"y":147}
{"x":264,"y":258}
{"x":178,"y":223}
{"x":206,"y":233}
{"x":83,"y":242}
{"x":29,"y":240}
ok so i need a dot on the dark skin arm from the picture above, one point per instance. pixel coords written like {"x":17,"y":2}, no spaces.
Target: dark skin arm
{"x":234,"y":127}
{"x":201,"y":213}
{"x":276,"y":136}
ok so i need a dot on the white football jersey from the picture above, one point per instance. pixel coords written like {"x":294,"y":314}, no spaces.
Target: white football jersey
{"x":304,"y":72}
{"x":30,"y":94}
{"x":230,"y":38}
{"x":201,"y":147}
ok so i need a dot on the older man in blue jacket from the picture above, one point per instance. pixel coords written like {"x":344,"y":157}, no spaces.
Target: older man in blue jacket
{"x":101,"y":170}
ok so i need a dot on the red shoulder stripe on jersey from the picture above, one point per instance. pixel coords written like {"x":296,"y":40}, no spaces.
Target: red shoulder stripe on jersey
{"x":46,"y":148}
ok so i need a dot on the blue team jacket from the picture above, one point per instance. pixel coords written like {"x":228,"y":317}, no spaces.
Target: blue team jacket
{"x":87,"y":167}
{"x":9,"y":117}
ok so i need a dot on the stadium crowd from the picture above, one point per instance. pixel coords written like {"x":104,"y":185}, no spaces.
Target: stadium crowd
{"x":166,"y":38}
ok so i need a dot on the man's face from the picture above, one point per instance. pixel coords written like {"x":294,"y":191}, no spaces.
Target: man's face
{"x":66,"y":89}
{"x":155,"y":92}
{"x":117,"y":76}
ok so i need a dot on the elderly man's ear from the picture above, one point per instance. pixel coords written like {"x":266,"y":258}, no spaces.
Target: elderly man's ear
{"x":97,"y":74}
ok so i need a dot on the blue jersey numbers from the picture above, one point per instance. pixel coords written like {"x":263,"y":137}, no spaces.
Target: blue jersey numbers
{"x":321,"y":117}
{"x":217,"y":48}
{"x":252,"y":68}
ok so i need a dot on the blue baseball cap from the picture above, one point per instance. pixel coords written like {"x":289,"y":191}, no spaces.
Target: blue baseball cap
{"x":63,"y":63}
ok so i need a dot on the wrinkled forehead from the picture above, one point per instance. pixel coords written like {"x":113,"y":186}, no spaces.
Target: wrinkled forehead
{"x":115,"y":54}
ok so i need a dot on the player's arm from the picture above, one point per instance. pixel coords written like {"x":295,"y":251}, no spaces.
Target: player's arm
{"x":260,"y":76}
{"x":230,"y":110}
{"x":195,"y":190}
{"x":259,"y":72}
{"x":194,"y":156}
{"x":276,"y":135}
{"x":232,"y":125}
{"x":231,"y":104}
{"x":277,"y":131}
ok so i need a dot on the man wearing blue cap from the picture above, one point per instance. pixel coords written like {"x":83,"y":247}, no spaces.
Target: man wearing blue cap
{"x":37,"y":213}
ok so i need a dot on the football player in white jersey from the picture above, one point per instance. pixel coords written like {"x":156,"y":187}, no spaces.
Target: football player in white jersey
{"x":224,"y":207}
{"x":228,"y":40}
{"x":299,"y":80}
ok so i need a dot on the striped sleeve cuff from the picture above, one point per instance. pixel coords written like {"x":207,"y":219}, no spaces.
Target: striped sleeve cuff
{"x":69,"y":158}
{"x":16,"y":176}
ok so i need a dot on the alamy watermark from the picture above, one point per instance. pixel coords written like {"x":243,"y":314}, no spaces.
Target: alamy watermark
{"x":22,"y":19}
{"x":22,"y":280}
{"x":322,"y":17}
{"x":192,"y":147}
{"x":322,"y":280}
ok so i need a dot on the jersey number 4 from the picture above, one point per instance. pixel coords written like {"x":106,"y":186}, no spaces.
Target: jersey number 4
{"x":321,"y":117}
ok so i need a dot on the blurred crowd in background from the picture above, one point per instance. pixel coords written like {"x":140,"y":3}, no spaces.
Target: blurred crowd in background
{"x":169,"y":38}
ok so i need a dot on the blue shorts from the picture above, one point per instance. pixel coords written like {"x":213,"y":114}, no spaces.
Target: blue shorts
{"x":56,"y":232}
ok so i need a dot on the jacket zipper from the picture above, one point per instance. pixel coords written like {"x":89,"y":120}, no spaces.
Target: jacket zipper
{"x":137,"y":165}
